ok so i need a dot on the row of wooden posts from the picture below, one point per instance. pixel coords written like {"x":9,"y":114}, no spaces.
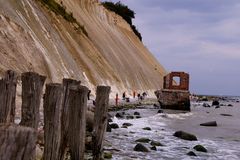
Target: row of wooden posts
{"x":64,"y":107}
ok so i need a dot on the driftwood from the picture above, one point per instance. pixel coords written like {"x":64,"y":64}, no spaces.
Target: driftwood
{"x":52,"y":127}
{"x":8,"y":97}
{"x":77,"y":127}
{"x":32,"y":86}
{"x":17,"y":143}
{"x":67,"y":83}
{"x":100,"y":120}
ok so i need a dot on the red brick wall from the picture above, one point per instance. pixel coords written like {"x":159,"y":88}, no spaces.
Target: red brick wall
{"x":169,"y":82}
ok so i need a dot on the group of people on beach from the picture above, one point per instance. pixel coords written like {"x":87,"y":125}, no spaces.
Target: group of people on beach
{"x":140,"y":96}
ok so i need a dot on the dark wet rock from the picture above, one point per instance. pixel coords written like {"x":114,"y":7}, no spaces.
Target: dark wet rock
{"x":207,"y":112}
{"x":119,"y":115}
{"x":110,"y":120}
{"x":217,"y":107}
{"x":191,"y":153}
{"x":123,"y":126}
{"x":138,"y":117}
{"x":209,"y":124}
{"x":160,"y":111}
{"x":204,"y":99}
{"x":114,"y":125}
{"x":153,"y":148}
{"x":215,"y":103}
{"x":156,"y":143}
{"x":200,"y":148}
{"x":237,"y":101}
{"x":229,"y":105}
{"x":127,"y":124}
{"x":206,"y":105}
{"x":156,"y":106}
{"x":109,"y":128}
{"x":223,"y":114}
{"x":107,"y":155}
{"x":129,"y":117}
{"x":185,"y":136}
{"x":140,"y":148}
{"x":143,"y":140}
{"x":147,"y":128}
{"x":136,"y":113}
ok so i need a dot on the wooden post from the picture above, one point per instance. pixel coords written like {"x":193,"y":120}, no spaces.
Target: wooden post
{"x":52,"y":126}
{"x":77,"y":129}
{"x":100,"y":120}
{"x":67,"y":83}
{"x":17,"y":143}
{"x":32,"y":86}
{"x":8,"y":97}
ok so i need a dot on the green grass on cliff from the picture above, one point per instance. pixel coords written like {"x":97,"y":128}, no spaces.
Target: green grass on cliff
{"x":61,"y":10}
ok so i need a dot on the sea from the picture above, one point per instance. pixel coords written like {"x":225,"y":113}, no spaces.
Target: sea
{"x":222,"y":142}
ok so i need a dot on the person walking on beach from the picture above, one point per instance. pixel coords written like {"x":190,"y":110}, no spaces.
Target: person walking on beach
{"x":139,"y":96}
{"x":116,"y":99}
{"x":124,"y":96}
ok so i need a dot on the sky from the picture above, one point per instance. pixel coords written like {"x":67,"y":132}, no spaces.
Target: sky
{"x":200,"y":37}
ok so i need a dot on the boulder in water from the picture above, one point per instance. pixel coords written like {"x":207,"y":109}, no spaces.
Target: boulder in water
{"x":127,"y":124}
{"x":191,"y":153}
{"x":119,"y":115}
{"x":143,"y":140}
{"x":223,"y":114}
{"x":136,"y":113}
{"x":153,"y":148}
{"x":129,"y":117}
{"x":185,"y":136}
{"x":209,"y":124}
{"x":206,"y":105}
{"x":200,"y":148}
{"x":107,"y":155}
{"x":138,"y":117}
{"x":140,"y":148}
{"x":114,"y":125}
{"x":147,"y":128}
{"x":215,"y":103}
{"x":156,"y":143}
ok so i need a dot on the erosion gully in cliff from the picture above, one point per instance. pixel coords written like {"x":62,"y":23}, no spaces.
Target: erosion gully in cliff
{"x":175,"y":94}
{"x":64,"y":112}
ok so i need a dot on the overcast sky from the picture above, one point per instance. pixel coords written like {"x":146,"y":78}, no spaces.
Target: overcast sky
{"x":201,"y":37}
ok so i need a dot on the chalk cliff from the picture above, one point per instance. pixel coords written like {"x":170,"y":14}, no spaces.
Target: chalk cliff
{"x":106,"y":51}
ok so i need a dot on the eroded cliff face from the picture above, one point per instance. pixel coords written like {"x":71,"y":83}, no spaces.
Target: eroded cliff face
{"x":33,"y":38}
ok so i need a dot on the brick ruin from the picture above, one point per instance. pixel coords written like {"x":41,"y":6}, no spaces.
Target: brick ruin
{"x":175,"y":94}
{"x":183,"y":81}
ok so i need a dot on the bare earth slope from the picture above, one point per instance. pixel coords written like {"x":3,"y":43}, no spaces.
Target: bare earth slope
{"x":33,"y":38}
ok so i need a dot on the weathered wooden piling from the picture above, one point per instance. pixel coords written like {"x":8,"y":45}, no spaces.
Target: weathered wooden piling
{"x":8,"y":97}
{"x":100,"y":120}
{"x":17,"y":142}
{"x":77,"y":120}
{"x":67,"y":83}
{"x":32,"y":86}
{"x":52,"y":126}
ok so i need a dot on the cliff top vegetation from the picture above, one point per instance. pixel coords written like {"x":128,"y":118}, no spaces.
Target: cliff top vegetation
{"x":126,"y":13}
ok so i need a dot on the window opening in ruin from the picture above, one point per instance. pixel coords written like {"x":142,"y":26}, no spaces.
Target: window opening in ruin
{"x":176,"y":81}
